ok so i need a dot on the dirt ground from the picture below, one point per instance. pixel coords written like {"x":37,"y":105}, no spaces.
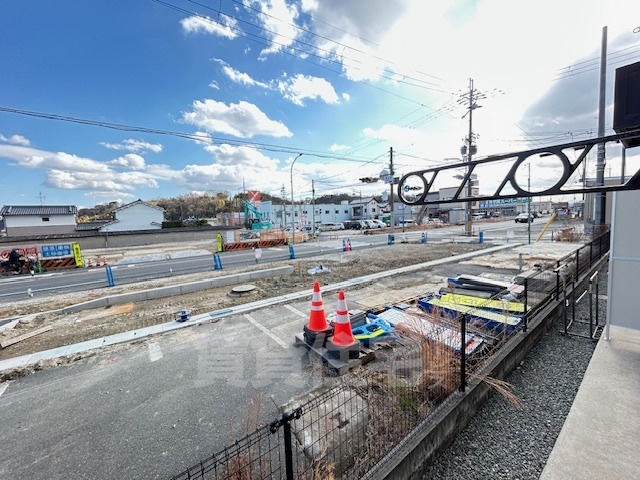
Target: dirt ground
{"x":90,"y":324}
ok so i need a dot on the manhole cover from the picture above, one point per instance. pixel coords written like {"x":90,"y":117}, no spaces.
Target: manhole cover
{"x":242,"y":290}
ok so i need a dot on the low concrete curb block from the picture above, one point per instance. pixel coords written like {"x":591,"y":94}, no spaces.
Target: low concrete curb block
{"x":173,"y":290}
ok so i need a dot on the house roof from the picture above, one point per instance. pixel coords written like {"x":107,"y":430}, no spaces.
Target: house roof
{"x":138,"y":202}
{"x":9,"y":210}
{"x":362,"y":201}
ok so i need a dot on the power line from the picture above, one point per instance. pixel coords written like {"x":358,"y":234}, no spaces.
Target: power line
{"x":205,"y":138}
{"x":303,"y":52}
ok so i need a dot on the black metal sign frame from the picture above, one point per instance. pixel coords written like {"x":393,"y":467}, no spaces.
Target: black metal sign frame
{"x":425,"y":179}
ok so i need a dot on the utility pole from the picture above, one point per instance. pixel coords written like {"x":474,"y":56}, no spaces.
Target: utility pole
{"x":470,"y":149}
{"x":529,"y":205}
{"x":313,"y":206}
{"x":601,"y":197}
{"x":283,"y":213}
{"x":392,"y":173}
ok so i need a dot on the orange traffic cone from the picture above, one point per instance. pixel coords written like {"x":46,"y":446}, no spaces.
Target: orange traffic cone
{"x":343,"y":344}
{"x":317,"y":331}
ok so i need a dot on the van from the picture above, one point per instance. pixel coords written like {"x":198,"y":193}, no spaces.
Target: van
{"x":330,"y":227}
{"x":406,"y":223}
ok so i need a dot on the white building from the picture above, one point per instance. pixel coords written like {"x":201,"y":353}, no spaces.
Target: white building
{"x":24,"y":220}
{"x":137,"y":215}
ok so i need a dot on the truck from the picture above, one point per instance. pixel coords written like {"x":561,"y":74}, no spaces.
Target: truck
{"x":253,"y":218}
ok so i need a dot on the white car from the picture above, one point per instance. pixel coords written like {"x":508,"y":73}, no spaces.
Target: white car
{"x":379,"y":223}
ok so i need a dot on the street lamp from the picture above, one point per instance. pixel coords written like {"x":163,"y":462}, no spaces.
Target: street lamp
{"x":293,"y":229}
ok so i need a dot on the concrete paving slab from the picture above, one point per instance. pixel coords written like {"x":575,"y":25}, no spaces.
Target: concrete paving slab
{"x":190,"y":253}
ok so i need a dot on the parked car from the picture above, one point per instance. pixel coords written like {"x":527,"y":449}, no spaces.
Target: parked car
{"x":307,"y":229}
{"x":524,"y":218}
{"x":379,"y":223}
{"x":406,"y":223}
{"x":352,"y":225}
{"x":289,"y":230}
{"x":367,"y":224}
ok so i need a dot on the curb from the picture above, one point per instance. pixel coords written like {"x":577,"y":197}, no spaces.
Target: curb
{"x":31,"y":359}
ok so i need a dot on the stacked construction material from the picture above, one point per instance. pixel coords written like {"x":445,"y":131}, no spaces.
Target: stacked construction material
{"x":415,"y":319}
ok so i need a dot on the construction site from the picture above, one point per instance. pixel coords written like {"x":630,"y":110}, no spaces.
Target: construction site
{"x":370,"y":345}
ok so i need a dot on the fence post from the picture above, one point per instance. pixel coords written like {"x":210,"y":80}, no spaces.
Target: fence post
{"x":564,"y":311}
{"x":526,"y":303}
{"x":288,"y":450}
{"x":558,"y":280}
{"x":597,"y":298}
{"x":285,"y":422}
{"x":573,"y":300}
{"x":577,"y":263}
{"x":463,"y":351}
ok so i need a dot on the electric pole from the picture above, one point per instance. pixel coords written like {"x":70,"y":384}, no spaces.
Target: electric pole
{"x":601,"y":197}
{"x":313,"y":205}
{"x":470,"y":149}
{"x":392,"y":173}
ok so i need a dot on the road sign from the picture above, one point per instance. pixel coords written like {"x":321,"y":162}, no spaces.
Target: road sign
{"x":56,"y":251}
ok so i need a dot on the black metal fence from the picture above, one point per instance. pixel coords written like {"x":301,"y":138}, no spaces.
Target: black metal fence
{"x":344,"y":432}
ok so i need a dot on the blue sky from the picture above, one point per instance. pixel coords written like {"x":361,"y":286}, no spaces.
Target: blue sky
{"x":224,"y":94}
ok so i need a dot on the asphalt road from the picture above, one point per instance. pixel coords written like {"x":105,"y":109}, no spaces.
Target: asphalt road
{"x":151,"y":409}
{"x":20,"y":286}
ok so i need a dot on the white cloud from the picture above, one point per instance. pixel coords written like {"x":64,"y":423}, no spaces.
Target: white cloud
{"x":278,"y":20}
{"x":210,"y":26}
{"x":241,"y":156}
{"x":302,"y":87}
{"x":115,"y":182}
{"x":15,"y":140}
{"x":242,"y":119}
{"x":239,"y":77}
{"x":338,"y":148}
{"x":133,"y":145}
{"x":202,"y":138}
{"x":130,"y":160}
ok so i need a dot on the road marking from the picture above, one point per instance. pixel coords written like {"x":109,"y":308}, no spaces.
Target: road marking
{"x":296,"y":311}
{"x":3,"y":387}
{"x":155,"y":353}
{"x":266,"y":330}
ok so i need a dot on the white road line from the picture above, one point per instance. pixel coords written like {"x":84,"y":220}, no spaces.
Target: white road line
{"x":155,"y":353}
{"x":3,"y":387}
{"x":296,"y":311}
{"x":266,"y":330}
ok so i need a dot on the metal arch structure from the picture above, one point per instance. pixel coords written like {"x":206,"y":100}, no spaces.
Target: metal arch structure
{"x":414,"y":187}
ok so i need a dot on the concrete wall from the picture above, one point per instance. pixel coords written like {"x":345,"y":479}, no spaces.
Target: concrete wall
{"x":19,"y":225}
{"x":625,"y":261}
{"x":115,"y":240}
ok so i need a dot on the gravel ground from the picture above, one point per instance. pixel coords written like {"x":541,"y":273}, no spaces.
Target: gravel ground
{"x":506,"y":442}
